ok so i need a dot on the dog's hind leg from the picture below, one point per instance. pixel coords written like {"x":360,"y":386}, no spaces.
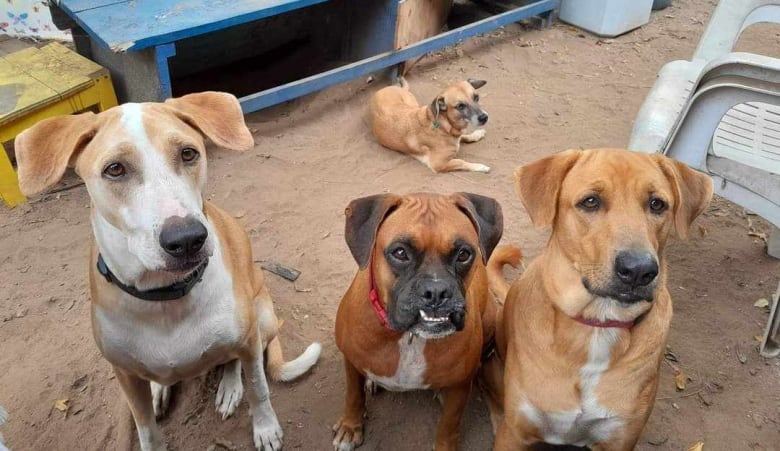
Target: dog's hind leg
{"x":457,"y":164}
{"x":139,"y":398}
{"x":231,"y":389}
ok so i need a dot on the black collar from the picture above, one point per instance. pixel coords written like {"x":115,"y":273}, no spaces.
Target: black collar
{"x":175,"y":291}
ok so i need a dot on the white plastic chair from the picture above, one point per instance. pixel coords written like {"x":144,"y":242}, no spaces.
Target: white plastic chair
{"x":720,"y":113}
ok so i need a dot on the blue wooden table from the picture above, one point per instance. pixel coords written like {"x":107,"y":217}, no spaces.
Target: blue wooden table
{"x":136,"y":38}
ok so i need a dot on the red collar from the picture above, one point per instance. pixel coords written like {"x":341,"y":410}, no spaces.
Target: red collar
{"x":373,"y":296}
{"x":610,"y":323}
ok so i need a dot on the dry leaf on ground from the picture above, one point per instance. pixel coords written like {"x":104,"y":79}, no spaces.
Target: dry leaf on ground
{"x":679,"y":380}
{"x":761,"y":303}
{"x":698,"y":446}
{"x":62,"y":405}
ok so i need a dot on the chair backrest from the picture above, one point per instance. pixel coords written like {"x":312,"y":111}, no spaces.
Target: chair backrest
{"x":730,"y":18}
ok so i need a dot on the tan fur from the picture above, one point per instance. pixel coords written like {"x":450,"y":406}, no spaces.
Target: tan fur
{"x":400,"y":123}
{"x":451,"y":362}
{"x":540,"y":348}
{"x":90,"y":142}
{"x":503,"y":255}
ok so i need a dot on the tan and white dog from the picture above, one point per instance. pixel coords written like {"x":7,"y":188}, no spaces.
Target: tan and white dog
{"x":431,"y":134}
{"x":584,"y":328}
{"x":173,"y":286}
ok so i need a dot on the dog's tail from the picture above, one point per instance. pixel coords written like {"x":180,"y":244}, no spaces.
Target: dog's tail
{"x":279,"y":370}
{"x":404,"y":84}
{"x":502,"y":255}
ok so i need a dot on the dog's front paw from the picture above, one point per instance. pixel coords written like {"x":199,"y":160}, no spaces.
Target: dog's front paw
{"x":347,"y":436}
{"x":230,"y":391}
{"x":268,"y":434}
{"x":161,"y":398}
{"x":481,"y":168}
{"x":475,"y":136}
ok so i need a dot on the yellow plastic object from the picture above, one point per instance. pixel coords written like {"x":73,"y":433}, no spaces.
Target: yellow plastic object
{"x":36,"y":84}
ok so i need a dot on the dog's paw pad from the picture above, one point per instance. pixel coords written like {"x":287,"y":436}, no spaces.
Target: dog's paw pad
{"x":268,"y":436}
{"x":161,"y":398}
{"x":229,"y":394}
{"x":346,"y":437}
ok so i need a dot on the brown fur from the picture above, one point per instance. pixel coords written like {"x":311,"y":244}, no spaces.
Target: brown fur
{"x":540,"y":348}
{"x":88,"y":142}
{"x":400,"y":123}
{"x":433,"y":222}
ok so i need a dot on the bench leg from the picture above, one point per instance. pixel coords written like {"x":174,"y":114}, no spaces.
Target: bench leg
{"x":106,"y":95}
{"x":773,"y":245}
{"x":9,"y":183}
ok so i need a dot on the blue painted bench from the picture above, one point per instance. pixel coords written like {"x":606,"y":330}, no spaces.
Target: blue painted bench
{"x":136,"y":38}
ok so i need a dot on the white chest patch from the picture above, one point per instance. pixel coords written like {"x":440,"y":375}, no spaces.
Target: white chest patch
{"x":411,"y":367}
{"x":174,"y":340}
{"x":592,"y":422}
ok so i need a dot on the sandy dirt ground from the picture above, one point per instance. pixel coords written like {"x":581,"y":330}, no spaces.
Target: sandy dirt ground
{"x":547,"y":90}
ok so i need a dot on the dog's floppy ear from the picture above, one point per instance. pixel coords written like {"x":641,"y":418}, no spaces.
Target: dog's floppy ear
{"x":692,"y":192}
{"x":438,"y":105}
{"x":485,"y":213}
{"x":538,"y":184}
{"x":364,"y":216}
{"x":216,"y":115}
{"x":45,"y":150}
{"x":476,"y":83}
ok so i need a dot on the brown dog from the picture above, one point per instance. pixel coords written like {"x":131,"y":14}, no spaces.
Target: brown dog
{"x":418,"y":312}
{"x":174,"y":292}
{"x":584,"y":328}
{"x":432,"y":134}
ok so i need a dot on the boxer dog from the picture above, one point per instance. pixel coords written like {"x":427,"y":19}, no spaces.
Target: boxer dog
{"x":418,"y":313}
{"x":584,"y":327}
{"x":173,"y":286}
{"x":431,"y":134}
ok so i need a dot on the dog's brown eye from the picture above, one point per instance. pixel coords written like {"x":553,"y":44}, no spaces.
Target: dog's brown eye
{"x":460,"y":106}
{"x":590,"y":203}
{"x":657,"y":205}
{"x":476,"y":97}
{"x":400,"y":254}
{"x":189,"y":154}
{"x":114,"y":170}
{"x":463,"y":256}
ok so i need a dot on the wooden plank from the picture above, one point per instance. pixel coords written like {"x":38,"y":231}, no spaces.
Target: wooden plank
{"x":139,"y":24}
{"x":62,"y":73}
{"x":21,"y":92}
{"x":366,"y":66}
{"x":83,"y":5}
{"x":418,"y":20}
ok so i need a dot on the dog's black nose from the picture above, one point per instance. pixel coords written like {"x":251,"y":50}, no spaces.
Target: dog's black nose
{"x":182,"y":237}
{"x":636,"y":268}
{"x":482,"y":118}
{"x":435,"y":292}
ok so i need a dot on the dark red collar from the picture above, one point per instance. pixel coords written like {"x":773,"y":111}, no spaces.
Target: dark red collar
{"x":373,"y":296}
{"x":611,"y":323}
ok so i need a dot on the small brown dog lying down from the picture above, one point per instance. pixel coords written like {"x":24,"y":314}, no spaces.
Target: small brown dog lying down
{"x":418,"y":312}
{"x":431,"y":134}
{"x":584,"y":328}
